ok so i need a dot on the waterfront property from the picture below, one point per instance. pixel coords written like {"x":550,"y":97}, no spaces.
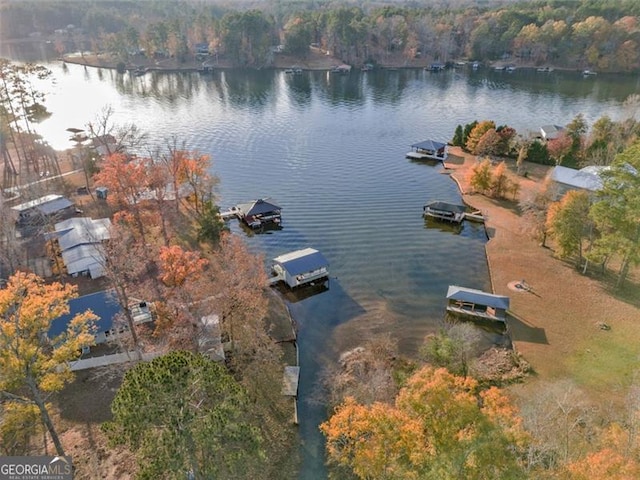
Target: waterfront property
{"x":428,"y":150}
{"x":586,"y":179}
{"x":447,"y":212}
{"x":300,"y":267}
{"x":258,"y":213}
{"x":469,"y":302}
{"x":106,"y":308}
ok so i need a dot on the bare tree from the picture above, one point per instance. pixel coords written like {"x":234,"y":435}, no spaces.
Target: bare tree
{"x":559,"y":419}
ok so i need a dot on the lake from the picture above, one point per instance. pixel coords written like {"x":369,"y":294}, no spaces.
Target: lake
{"x":330,"y":149}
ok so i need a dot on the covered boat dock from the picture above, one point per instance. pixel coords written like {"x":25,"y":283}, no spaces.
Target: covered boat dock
{"x":256,"y":213}
{"x":476,"y":303}
{"x":447,"y":212}
{"x":300,"y":267}
{"x":428,"y":150}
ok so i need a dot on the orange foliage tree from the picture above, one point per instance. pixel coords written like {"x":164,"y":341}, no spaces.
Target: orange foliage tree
{"x":441,"y":427}
{"x":178,"y":265}
{"x":617,"y":459}
{"x":124,"y":179}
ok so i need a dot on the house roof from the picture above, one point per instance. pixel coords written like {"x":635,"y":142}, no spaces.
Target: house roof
{"x":82,"y":258}
{"x":446,"y":207}
{"x":587,"y":178}
{"x":257,"y":207}
{"x":549,"y":132}
{"x":46,"y":205}
{"x":81,"y":231}
{"x":102,"y":303}
{"x":429,"y":145}
{"x":302,"y":261}
{"x":477,"y":297}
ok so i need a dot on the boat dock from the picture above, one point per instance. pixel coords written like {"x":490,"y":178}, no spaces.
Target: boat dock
{"x":428,"y":150}
{"x":449,"y":212}
{"x":469,"y":302}
{"x":255,"y":214}
{"x":446,"y":212}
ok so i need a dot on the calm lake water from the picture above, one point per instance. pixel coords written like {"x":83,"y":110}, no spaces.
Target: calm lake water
{"x":330,"y":149}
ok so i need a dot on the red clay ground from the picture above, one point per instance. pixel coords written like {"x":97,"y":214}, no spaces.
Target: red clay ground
{"x":557,"y":326}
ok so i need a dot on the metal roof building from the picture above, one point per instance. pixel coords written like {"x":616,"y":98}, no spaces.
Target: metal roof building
{"x":476,"y":303}
{"x":300,"y":267}
{"x":101,"y":303}
{"x":43,"y":206}
{"x":587,"y":178}
{"x":80,"y":241}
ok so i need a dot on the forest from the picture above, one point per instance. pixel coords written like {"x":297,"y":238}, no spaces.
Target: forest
{"x":590,"y":34}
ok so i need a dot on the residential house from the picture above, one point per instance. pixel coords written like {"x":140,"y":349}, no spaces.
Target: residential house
{"x":80,"y":241}
{"x":104,"y":305}
{"x":586,"y":179}
{"x":40,"y":210}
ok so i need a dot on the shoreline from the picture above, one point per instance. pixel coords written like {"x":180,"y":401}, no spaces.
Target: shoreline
{"x":314,"y":62}
{"x":556,"y":326}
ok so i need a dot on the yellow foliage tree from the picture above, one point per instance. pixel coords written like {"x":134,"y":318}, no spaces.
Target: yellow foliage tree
{"x":32,"y":364}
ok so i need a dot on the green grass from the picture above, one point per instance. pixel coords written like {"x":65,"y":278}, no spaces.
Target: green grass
{"x":607,"y":361}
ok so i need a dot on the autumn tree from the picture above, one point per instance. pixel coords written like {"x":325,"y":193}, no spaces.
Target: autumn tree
{"x":195,"y":172}
{"x":125,"y":179}
{"x":32,"y":363}
{"x":441,"y":426}
{"x":126,"y":262}
{"x":476,"y":134}
{"x":615,"y":457}
{"x":560,"y":149}
{"x":481,"y":176}
{"x":187,"y":297}
{"x":501,"y":184}
{"x":488,"y":144}
{"x":615,"y":211}
{"x":184,"y":415}
{"x":569,"y":223}
{"x":534,"y":207}
{"x":240,"y":282}
{"x":468,"y":128}
{"x":18,"y":424}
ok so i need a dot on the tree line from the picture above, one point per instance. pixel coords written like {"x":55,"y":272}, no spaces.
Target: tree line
{"x":596,"y":229}
{"x":599,"y":35}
